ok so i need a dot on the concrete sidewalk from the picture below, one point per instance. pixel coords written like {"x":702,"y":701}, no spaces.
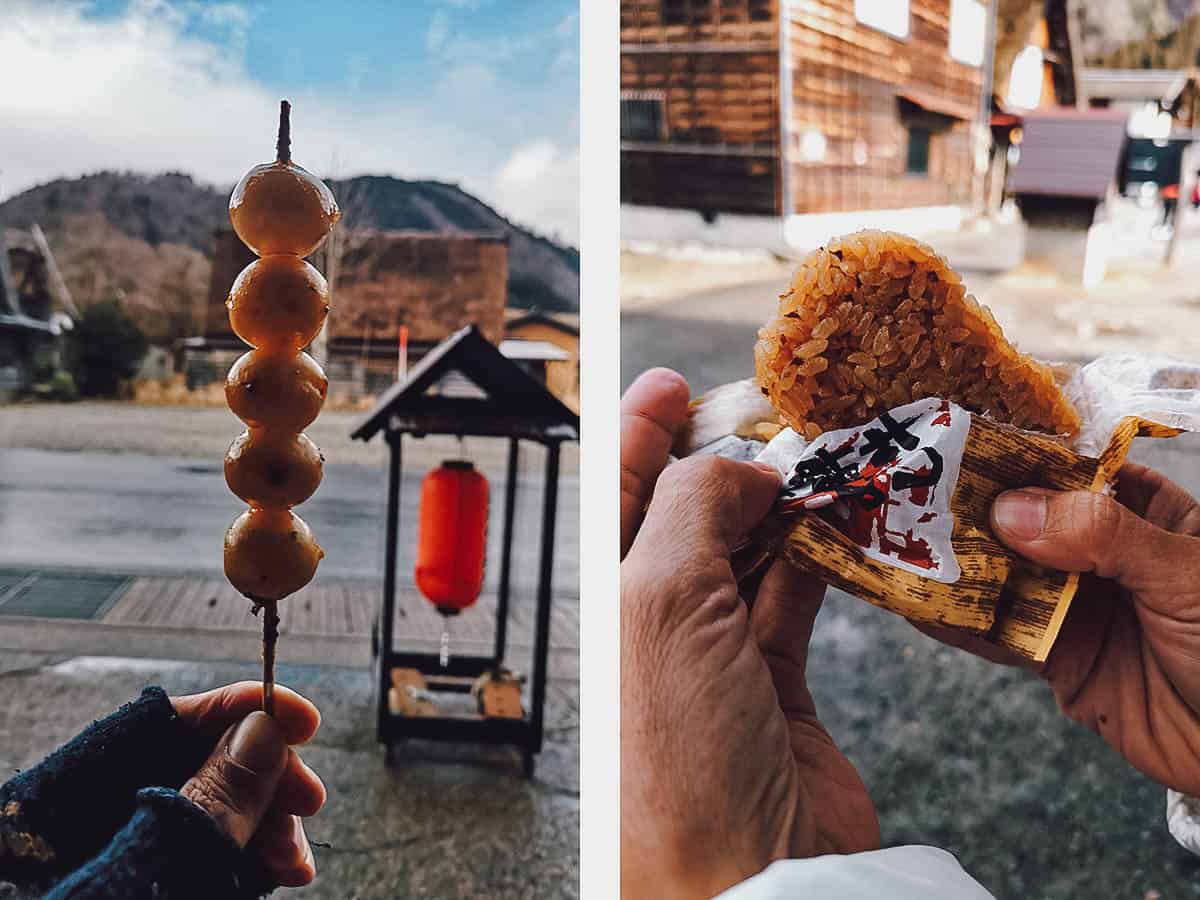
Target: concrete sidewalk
{"x":446,"y":821}
{"x":193,"y":617}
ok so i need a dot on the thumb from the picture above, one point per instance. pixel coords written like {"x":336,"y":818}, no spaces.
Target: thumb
{"x":1083,"y":531}
{"x":237,"y":782}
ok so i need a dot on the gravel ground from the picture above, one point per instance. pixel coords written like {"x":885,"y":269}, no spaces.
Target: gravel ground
{"x":203,"y":433}
{"x":975,"y":758}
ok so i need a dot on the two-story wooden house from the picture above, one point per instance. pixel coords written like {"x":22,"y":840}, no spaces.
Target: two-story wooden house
{"x":760,"y":122}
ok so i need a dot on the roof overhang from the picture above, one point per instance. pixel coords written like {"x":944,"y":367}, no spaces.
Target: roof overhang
{"x":509,"y":401}
{"x":25,"y":323}
{"x":1164,"y":86}
{"x":533,"y":350}
{"x":1068,"y":152}
{"x":938,"y":105}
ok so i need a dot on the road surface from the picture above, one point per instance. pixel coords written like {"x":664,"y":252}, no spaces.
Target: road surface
{"x":134,"y":512}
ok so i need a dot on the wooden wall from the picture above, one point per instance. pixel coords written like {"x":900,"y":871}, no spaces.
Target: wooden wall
{"x":434,"y":282}
{"x":715,"y":64}
{"x":846,"y":80}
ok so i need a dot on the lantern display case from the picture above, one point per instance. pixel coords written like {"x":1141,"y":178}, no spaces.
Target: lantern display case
{"x":465,"y":387}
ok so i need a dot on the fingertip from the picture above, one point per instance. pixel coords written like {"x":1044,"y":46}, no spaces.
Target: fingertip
{"x":295,"y":877}
{"x":297,"y":715}
{"x":764,"y":483}
{"x":283,"y":848}
{"x":661,"y":394}
{"x":301,"y":792}
{"x":768,"y":470}
{"x":665,"y":379}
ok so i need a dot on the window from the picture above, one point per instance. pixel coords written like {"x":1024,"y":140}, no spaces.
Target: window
{"x":968,"y":31}
{"x":918,"y":151}
{"x":890,"y":16}
{"x":1025,"y":82}
{"x":675,"y":12}
{"x":642,"y":118}
{"x":813,"y":146}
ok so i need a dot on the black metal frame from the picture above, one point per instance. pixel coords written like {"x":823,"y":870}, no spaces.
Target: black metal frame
{"x":526,"y":734}
{"x":516,"y":407}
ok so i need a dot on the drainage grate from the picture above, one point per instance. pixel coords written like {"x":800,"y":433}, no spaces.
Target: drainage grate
{"x":60,"y":595}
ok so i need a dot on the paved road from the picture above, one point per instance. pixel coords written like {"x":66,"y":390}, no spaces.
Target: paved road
{"x":956,"y":752}
{"x":132,"y":512}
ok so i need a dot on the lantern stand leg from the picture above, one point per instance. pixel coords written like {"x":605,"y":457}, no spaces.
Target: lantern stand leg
{"x":542,"y":633}
{"x":388,"y":611}
{"x":510,"y":498}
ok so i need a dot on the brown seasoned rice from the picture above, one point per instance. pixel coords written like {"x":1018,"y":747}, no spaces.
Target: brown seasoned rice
{"x":875,"y":320}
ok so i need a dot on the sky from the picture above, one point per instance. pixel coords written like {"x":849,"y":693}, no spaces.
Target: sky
{"x":481,"y":93}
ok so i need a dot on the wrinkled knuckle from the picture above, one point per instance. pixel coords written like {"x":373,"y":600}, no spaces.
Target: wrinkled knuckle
{"x":632,"y":483}
{"x":1079,"y":518}
{"x":1101,"y":520}
{"x":688,"y":471}
{"x":208,"y":790}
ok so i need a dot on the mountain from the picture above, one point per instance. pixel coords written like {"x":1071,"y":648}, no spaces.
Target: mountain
{"x":149,"y":238}
{"x":542,"y":273}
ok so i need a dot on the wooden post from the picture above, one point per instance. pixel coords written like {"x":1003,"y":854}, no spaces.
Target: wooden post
{"x":542,"y":628}
{"x":1187,"y":183}
{"x":510,"y":498}
{"x":387,"y":612}
{"x":57,"y":283}
{"x":983,"y":133}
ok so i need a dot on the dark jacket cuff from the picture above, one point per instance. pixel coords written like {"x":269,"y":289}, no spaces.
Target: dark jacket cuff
{"x":170,"y":850}
{"x":66,"y":809}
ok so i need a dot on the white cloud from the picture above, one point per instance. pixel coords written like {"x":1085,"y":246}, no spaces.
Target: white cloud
{"x":137,"y":93}
{"x":539,"y":182}
{"x":439,"y":31}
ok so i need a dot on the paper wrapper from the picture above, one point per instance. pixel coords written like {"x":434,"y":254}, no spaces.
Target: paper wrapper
{"x":896,"y":511}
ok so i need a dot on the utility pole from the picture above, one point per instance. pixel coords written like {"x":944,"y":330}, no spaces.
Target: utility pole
{"x":983,"y":130}
{"x":1187,"y":164}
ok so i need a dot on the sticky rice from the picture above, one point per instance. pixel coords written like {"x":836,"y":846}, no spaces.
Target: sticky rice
{"x":876,"y":320}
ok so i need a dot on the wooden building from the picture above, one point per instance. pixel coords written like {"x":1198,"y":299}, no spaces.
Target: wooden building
{"x":755,"y":114}
{"x":560,"y":330}
{"x":35,"y":308}
{"x":432,"y":283}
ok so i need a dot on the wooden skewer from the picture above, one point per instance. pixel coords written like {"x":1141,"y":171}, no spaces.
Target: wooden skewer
{"x":270,"y":637}
{"x":283,"y":144}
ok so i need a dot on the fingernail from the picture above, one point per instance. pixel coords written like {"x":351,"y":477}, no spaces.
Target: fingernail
{"x":1020,"y":514}
{"x":257,"y":744}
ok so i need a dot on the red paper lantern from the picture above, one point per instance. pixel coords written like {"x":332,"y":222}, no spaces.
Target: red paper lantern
{"x":452,"y":536}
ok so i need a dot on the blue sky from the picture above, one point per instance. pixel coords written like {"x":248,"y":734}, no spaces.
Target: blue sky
{"x":479,"y":92}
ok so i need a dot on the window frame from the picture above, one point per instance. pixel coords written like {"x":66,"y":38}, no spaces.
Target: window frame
{"x":858,"y":18}
{"x":984,"y":9}
{"x":909,"y":171}
{"x":658,"y":97}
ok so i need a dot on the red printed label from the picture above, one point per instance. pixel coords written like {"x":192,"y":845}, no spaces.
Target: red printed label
{"x":886,"y":485}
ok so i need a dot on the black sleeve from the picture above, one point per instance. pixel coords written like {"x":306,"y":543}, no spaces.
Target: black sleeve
{"x":65,"y":810}
{"x":169,"y":850}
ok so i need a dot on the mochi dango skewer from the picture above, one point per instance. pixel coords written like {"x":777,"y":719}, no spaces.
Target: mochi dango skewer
{"x":277,"y":305}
